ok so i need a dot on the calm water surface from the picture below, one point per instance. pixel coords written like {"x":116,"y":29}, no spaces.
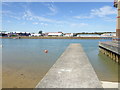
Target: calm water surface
{"x":24,"y":60}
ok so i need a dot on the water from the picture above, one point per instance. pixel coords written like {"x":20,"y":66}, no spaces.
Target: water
{"x":25,"y":63}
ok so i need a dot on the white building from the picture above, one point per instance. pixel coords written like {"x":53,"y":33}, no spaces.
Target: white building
{"x":68,"y":35}
{"x":88,"y":35}
{"x":108,"y":35}
{"x":55,"y":34}
{"x":35,"y":34}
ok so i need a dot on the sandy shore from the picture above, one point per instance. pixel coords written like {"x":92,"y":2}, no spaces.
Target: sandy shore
{"x":22,"y":78}
{"x":107,"y":84}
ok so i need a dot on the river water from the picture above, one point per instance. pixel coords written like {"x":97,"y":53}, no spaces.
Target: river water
{"x":24,"y":62}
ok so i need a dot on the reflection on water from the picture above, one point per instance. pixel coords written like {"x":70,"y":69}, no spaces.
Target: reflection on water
{"x":111,"y":68}
{"x":25,"y":63}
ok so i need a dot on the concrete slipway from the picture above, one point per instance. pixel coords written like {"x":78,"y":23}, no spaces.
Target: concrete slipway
{"x":71,"y":70}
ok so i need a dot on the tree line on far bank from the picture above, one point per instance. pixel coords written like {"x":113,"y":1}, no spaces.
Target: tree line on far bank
{"x":99,"y":33}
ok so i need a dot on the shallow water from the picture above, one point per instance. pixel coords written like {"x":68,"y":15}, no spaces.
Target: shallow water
{"x":24,"y":62}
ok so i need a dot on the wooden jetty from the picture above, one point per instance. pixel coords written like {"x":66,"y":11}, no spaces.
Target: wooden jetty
{"x":111,"y":49}
{"x":71,"y":70}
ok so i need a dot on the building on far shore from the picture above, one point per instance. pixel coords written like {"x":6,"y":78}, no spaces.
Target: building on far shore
{"x":88,"y":35}
{"x":13,"y":33}
{"x":108,"y":35}
{"x":55,"y":34}
{"x":68,"y":35}
{"x":36,"y":34}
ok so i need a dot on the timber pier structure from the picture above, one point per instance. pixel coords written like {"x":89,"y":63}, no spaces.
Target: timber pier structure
{"x":111,"y":49}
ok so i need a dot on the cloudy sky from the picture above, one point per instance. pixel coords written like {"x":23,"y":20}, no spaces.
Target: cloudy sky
{"x":59,"y":16}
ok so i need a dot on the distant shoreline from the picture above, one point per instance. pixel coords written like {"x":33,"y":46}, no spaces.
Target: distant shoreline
{"x":50,"y":37}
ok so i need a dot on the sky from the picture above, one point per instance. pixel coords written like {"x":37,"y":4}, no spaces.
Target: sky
{"x":68,"y":17}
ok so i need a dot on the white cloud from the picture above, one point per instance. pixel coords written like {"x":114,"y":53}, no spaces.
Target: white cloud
{"x":6,"y":12}
{"x":23,"y":23}
{"x":83,"y":17}
{"x":28,"y":15}
{"x":44,"y":24}
{"x":53,"y":9}
{"x":10,"y":14}
{"x":110,"y":19}
{"x":38,"y":23}
{"x":15,"y":17}
{"x":4,"y":3}
{"x":35,"y":23}
{"x":103,"y":11}
{"x":9,"y":21}
{"x":78,"y":24}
